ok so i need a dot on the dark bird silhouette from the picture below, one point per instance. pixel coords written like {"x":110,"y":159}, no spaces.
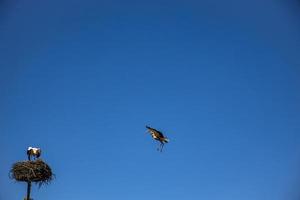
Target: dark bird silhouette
{"x":33,"y":152}
{"x":157,"y":135}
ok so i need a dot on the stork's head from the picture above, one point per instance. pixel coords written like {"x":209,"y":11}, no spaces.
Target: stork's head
{"x":35,"y":149}
{"x":148,"y":129}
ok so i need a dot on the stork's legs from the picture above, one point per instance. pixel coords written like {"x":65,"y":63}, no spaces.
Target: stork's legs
{"x":161,"y":146}
{"x":32,"y":157}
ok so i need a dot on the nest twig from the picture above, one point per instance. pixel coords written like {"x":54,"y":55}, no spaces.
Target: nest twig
{"x":36,"y":171}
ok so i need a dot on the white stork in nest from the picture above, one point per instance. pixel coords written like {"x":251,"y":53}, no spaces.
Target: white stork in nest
{"x":33,"y":152}
{"x":157,"y":135}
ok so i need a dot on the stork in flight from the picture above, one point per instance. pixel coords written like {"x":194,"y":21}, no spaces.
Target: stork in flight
{"x":157,"y":135}
{"x":33,"y":152}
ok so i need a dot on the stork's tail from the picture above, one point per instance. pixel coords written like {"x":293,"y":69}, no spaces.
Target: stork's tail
{"x":166,"y":140}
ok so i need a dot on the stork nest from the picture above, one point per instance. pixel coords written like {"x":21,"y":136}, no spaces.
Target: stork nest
{"x":36,"y":171}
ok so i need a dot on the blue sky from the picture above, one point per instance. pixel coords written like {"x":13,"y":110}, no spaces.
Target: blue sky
{"x":81,"y":79}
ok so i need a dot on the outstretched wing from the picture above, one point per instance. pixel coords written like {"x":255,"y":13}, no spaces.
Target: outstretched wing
{"x":28,"y":151}
{"x":38,"y":154}
{"x":156,"y":132}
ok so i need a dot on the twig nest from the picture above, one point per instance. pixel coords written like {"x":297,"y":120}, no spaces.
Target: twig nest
{"x":32,"y":171}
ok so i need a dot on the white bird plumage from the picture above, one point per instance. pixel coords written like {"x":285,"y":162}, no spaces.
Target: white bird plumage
{"x":33,"y":152}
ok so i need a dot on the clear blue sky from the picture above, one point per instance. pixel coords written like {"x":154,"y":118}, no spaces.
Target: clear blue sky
{"x":81,"y":79}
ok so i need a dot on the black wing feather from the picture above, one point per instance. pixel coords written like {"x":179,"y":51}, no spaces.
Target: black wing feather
{"x":156,"y":131}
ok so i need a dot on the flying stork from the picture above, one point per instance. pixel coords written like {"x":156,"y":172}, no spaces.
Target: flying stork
{"x":33,"y":152}
{"x":157,"y":135}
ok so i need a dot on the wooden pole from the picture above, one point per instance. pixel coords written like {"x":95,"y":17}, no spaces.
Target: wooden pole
{"x":28,"y":190}
{"x":28,"y":185}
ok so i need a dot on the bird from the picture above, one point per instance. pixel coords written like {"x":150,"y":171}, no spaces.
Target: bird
{"x":157,"y":135}
{"x":33,"y":152}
